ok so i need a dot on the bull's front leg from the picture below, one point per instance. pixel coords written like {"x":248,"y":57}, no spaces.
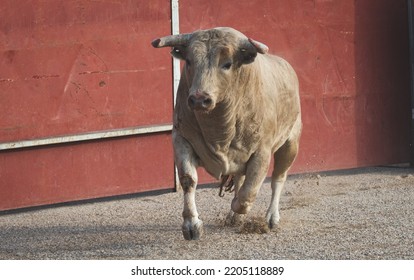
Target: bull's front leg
{"x":186,"y":162}
{"x":235,"y":219}
{"x":256,"y":171}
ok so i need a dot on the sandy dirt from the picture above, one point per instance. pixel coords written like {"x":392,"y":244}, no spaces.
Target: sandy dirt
{"x":357,"y":214}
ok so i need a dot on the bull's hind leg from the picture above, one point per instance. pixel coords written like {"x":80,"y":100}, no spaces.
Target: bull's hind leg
{"x":284,"y":158}
{"x":186,"y":165}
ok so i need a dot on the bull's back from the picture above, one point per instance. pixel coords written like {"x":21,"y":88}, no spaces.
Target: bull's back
{"x":282,"y":103}
{"x":279,"y":78}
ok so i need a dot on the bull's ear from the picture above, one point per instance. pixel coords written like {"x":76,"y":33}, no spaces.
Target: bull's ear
{"x":248,"y":50}
{"x":246,"y":55}
{"x":178,"y":52}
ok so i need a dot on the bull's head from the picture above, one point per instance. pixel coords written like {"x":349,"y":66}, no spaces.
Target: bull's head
{"x":213,"y":61}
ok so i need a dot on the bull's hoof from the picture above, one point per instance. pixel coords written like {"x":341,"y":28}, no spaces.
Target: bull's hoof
{"x":192,"y":231}
{"x":240,"y":208}
{"x":272,"y":219}
{"x":234,"y":219}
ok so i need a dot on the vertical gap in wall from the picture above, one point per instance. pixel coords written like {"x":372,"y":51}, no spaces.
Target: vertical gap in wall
{"x":175,"y":29}
{"x":411,"y":42}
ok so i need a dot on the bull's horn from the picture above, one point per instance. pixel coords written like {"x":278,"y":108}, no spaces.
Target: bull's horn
{"x":260,"y":47}
{"x":171,"y":41}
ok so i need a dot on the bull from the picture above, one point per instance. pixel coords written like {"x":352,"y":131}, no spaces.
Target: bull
{"x":237,"y":106}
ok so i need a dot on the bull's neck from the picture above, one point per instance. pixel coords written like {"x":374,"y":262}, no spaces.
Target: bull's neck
{"x":219,"y":125}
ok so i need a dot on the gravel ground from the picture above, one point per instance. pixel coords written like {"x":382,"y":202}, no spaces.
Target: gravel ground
{"x":356,"y":214}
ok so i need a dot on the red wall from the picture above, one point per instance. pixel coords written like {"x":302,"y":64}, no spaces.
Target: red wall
{"x":61,"y":173}
{"x":352,"y":61}
{"x":69,"y":67}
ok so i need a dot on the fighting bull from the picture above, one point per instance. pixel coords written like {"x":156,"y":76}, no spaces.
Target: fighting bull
{"x":237,"y":106}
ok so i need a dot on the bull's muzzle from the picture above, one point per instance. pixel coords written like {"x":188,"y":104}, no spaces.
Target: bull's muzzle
{"x":200,"y":101}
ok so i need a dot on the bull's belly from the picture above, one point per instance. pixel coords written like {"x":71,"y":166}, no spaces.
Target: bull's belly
{"x":225,"y":165}
{"x":220,"y":170}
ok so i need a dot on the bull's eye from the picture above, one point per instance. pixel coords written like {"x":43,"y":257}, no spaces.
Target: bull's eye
{"x":226,"y":66}
{"x":188,"y":63}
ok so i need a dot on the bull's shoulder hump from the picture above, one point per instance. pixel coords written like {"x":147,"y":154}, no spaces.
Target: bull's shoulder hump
{"x":276,"y":67}
{"x":278,"y":62}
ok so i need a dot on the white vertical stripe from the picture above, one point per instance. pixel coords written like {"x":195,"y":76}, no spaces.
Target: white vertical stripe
{"x":175,"y":29}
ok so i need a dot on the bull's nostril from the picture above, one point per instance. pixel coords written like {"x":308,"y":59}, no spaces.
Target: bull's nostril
{"x":207,"y":102}
{"x":191,"y":101}
{"x":199,"y":102}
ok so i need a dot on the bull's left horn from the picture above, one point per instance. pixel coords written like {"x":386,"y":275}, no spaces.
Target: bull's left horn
{"x":171,"y":41}
{"x":260,"y":47}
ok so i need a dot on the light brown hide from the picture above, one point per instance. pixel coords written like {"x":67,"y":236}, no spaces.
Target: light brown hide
{"x":253,"y":113}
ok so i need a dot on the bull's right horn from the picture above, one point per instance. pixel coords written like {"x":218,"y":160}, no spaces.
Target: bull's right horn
{"x":172,"y":40}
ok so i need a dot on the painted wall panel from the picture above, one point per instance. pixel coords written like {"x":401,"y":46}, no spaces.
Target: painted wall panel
{"x":61,"y":173}
{"x":70,"y":67}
